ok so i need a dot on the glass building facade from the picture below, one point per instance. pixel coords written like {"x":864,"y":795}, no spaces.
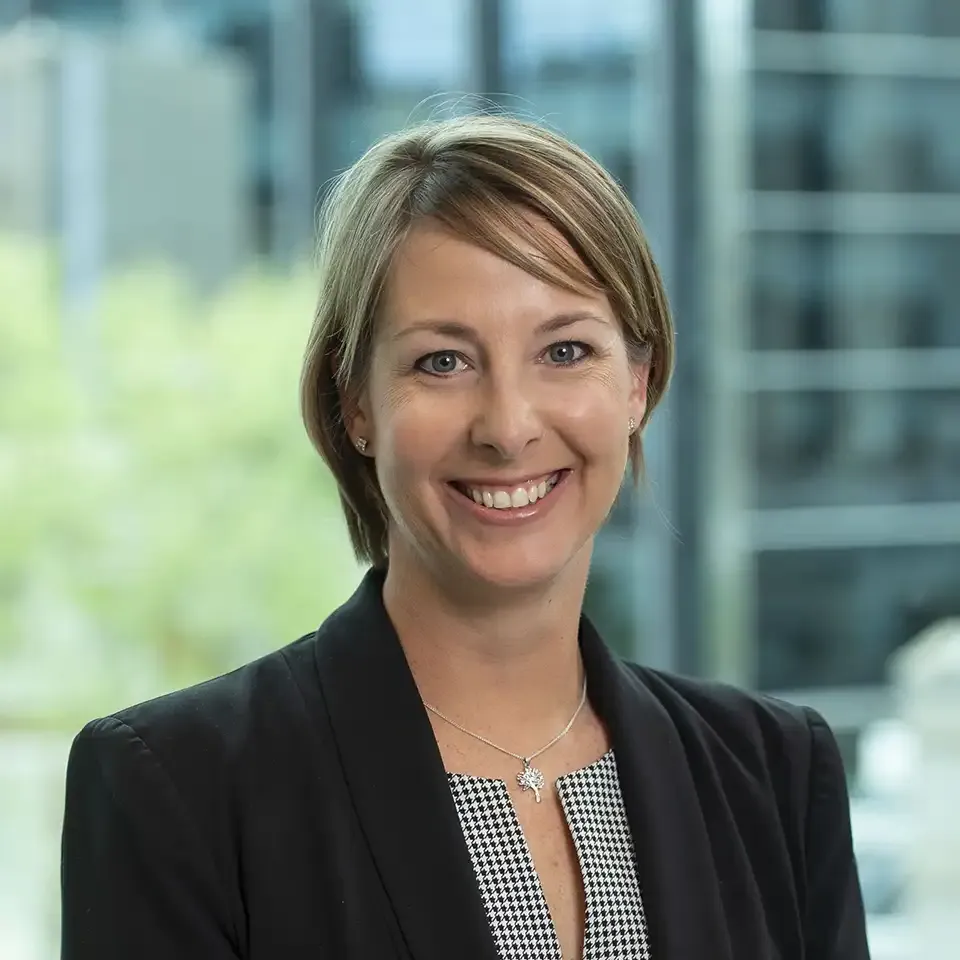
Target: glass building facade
{"x":835,"y":226}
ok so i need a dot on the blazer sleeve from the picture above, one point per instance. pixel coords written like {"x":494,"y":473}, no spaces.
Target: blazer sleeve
{"x":137,"y":879}
{"x":835,"y":926}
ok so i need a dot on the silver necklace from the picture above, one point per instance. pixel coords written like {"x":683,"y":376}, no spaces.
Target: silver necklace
{"x":530,"y":777}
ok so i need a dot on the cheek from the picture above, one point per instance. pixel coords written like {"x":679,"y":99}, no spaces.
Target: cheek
{"x":414,"y":434}
{"x":596,"y":411}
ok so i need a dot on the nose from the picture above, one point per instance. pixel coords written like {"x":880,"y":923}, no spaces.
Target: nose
{"x":508,"y":419}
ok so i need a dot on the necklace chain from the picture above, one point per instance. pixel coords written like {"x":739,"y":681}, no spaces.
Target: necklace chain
{"x":523,"y":759}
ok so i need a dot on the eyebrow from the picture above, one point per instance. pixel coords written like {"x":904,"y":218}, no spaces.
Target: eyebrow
{"x":454,"y":328}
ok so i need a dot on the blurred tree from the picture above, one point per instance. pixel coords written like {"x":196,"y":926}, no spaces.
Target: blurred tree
{"x":163,"y":516}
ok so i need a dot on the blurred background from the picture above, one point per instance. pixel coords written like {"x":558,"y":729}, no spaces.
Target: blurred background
{"x":164,"y":519}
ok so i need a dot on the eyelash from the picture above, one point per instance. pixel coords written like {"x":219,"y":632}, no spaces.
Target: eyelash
{"x":585,"y":351}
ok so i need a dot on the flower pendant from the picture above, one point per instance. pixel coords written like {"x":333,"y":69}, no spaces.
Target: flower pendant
{"x":530,"y":778}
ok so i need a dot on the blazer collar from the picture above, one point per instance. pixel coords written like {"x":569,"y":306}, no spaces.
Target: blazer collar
{"x":678,"y":878}
{"x":395,"y":773}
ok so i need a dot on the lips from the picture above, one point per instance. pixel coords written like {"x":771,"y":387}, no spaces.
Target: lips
{"x":505,"y":496}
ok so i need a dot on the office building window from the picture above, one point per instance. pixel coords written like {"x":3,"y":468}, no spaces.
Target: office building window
{"x":834,"y":617}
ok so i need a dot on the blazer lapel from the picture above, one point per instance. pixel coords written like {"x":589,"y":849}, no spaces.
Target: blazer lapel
{"x":395,"y":773}
{"x":678,"y":878}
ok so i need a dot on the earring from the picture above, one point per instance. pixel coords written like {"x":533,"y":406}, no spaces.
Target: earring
{"x":631,"y":425}
{"x":361,"y":444}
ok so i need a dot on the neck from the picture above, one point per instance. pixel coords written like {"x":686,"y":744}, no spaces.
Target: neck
{"x":492,"y":658}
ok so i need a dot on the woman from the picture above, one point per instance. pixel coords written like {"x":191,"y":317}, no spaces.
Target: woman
{"x":454,"y":764}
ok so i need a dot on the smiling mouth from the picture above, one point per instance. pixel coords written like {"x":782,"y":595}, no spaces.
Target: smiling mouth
{"x":513,"y":497}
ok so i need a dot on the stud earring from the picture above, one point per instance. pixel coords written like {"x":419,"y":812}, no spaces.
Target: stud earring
{"x":361,"y":444}
{"x":631,"y":425}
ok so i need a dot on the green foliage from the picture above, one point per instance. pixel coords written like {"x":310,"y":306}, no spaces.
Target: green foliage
{"x":163,"y":516}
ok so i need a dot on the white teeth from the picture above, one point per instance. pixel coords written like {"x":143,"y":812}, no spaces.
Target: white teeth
{"x":519,"y":498}
{"x":512,"y":499}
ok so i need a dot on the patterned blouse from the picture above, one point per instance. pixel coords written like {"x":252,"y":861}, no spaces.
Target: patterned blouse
{"x":512,"y":896}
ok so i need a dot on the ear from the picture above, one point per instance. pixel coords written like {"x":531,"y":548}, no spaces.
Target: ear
{"x":356,"y":418}
{"x":640,"y":371}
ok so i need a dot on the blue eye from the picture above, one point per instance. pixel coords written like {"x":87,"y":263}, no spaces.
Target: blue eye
{"x":567,"y":352}
{"x":441,"y":364}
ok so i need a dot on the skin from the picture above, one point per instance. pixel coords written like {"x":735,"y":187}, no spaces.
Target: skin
{"x":483,"y":372}
{"x":505,"y":601}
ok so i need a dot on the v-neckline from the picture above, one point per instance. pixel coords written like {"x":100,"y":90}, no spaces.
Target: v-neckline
{"x":562,"y":783}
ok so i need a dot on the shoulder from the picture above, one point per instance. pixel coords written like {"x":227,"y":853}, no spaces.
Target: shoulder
{"x":723,"y":716}
{"x":198,"y":733}
{"x":760,"y":758}
{"x":771,"y":774}
{"x":747,"y":740}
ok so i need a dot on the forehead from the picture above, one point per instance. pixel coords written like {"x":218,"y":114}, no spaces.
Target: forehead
{"x":439,"y":273}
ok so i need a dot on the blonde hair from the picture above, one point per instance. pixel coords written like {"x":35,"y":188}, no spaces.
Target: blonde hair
{"x":482,"y":177}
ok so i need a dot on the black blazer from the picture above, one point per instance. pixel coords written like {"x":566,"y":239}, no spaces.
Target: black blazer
{"x":298,"y":808}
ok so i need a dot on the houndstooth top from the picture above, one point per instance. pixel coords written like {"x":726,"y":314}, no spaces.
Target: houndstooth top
{"x":512,"y":896}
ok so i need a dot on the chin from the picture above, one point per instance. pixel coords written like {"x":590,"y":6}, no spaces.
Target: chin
{"x":513,"y":568}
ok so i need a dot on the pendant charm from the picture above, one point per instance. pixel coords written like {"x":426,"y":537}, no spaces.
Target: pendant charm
{"x":530,"y":778}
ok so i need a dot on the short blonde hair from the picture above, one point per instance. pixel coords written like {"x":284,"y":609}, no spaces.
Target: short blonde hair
{"x":481,"y":177}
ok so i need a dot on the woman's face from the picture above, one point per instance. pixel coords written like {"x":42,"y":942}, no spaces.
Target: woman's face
{"x":497,"y":409}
